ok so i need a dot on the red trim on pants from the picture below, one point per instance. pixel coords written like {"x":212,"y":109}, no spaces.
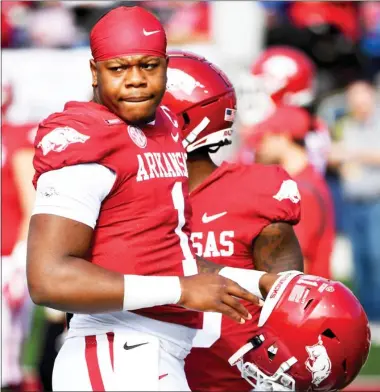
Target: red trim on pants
{"x":93,"y":363}
{"x":110,"y":337}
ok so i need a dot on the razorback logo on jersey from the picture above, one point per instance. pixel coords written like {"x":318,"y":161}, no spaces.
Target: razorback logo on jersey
{"x":59,"y":139}
{"x":288,"y":190}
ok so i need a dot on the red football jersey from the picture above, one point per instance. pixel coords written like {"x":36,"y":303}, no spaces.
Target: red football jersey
{"x":230,"y":209}
{"x":316,"y":230}
{"x":13,"y":138}
{"x":143,"y":225}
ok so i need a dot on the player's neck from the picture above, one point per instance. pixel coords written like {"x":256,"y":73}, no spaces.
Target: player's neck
{"x":295,"y":160}
{"x":199,"y":170}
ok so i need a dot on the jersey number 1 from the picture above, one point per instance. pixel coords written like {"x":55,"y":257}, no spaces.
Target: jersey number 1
{"x":189,"y":263}
{"x":212,"y":322}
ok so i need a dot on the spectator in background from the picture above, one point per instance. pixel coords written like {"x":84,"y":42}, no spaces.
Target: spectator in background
{"x":356,"y":154}
{"x":282,"y":75}
{"x":327,"y":31}
{"x":185,"y":21}
{"x":281,"y":140}
{"x":370,"y":40}
{"x":14,"y":17}
{"x":51,"y":25}
{"x":17,"y":196}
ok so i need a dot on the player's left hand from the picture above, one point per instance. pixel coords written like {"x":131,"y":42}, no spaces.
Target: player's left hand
{"x":214,"y":293}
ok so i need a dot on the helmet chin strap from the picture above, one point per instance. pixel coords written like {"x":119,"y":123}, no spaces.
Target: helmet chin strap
{"x":195,"y":132}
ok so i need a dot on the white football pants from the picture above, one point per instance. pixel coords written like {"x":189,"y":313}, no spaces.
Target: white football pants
{"x":124,"y":360}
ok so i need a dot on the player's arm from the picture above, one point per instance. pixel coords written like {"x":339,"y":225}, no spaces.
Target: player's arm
{"x":256,"y":282}
{"x":60,"y":276}
{"x":207,"y":267}
{"x":276,"y":249}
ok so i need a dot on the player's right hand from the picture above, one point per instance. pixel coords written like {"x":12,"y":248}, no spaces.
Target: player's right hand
{"x":215,"y":293}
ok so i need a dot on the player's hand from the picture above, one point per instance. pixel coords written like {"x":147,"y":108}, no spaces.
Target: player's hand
{"x":215,"y":293}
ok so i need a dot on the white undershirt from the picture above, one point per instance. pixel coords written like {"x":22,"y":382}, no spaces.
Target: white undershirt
{"x":75,"y":192}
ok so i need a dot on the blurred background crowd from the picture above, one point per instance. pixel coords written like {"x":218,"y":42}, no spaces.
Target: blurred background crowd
{"x":307,"y":77}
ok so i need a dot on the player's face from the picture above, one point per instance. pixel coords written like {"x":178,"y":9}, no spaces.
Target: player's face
{"x":131,"y":86}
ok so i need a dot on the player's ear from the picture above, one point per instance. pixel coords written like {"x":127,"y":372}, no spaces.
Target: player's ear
{"x":94,"y":73}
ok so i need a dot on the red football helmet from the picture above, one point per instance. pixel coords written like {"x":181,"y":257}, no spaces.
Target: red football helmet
{"x":287,"y":75}
{"x":203,"y":98}
{"x":280,"y":76}
{"x":313,"y":336}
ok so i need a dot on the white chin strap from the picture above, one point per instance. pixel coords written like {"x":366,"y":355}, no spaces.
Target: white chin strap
{"x":195,"y":132}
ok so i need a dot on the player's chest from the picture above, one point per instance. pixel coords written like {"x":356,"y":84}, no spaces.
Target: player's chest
{"x":151,"y":175}
{"x":220,"y":227}
{"x":147,"y":157}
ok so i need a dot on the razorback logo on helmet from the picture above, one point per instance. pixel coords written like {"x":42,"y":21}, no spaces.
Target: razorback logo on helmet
{"x":288,"y":190}
{"x":180,"y":80}
{"x":279,"y":68}
{"x":318,"y":363}
{"x":59,"y":139}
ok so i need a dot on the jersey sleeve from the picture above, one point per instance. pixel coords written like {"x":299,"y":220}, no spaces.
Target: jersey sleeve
{"x":74,"y":192}
{"x":278,"y":197}
{"x":65,"y":139}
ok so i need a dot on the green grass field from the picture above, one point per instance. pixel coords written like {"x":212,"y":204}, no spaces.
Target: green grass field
{"x":372,"y":367}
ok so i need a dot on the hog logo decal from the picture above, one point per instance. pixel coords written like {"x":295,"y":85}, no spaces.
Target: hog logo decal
{"x":59,"y":139}
{"x":288,"y":190}
{"x":179,"y":80}
{"x":318,"y":363}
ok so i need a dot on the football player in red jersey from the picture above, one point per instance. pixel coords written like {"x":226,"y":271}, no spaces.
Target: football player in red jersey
{"x":239,"y":218}
{"x":282,"y":76}
{"x":109,"y":236}
{"x":281,"y":140}
{"x":17,"y":195}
